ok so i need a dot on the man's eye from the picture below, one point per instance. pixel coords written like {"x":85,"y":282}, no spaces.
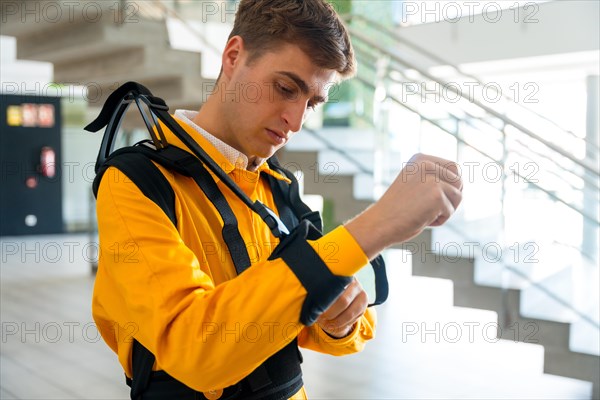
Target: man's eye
{"x":285,"y":90}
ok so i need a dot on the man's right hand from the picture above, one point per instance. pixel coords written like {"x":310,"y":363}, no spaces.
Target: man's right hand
{"x":426,"y":193}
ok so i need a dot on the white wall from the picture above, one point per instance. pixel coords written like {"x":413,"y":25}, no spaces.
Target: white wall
{"x":21,"y":77}
{"x":554,"y":27}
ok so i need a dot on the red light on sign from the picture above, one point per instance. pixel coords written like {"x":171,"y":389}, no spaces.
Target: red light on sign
{"x":31,"y":182}
{"x":30,"y":115}
{"x":46,"y":115}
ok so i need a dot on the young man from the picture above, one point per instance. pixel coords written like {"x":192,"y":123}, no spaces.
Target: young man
{"x":175,"y":290}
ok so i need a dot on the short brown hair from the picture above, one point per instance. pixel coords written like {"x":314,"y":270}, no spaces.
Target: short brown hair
{"x":312,"y":24}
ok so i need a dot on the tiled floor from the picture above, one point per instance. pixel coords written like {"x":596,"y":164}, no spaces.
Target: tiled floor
{"x":50,"y":348}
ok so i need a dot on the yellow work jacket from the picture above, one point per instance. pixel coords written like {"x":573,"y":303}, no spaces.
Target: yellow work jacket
{"x":175,"y":289}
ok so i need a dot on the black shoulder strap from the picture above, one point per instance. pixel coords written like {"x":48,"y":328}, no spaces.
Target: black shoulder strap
{"x":381,"y":281}
{"x":144,"y":174}
{"x":135,"y":162}
{"x":230,"y":232}
{"x":290,"y":206}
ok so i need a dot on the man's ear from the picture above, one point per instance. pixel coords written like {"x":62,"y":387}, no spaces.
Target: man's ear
{"x":232,"y":55}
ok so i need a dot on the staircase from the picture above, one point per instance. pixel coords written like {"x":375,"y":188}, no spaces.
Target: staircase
{"x":100,"y":50}
{"x":427,"y":347}
{"x":553,"y":335}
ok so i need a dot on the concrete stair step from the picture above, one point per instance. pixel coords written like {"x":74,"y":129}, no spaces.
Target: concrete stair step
{"x":414,"y":292}
{"x":358,"y":146}
{"x":103,"y":55}
{"x":334,"y":186}
{"x":500,"y":358}
{"x":584,"y":337}
{"x":135,"y":63}
{"x":458,"y":269}
{"x":331,"y":162}
{"x":554,"y":336}
{"x":83,"y":38}
{"x":343,"y":137}
{"x":420,"y":311}
{"x":184,"y":36}
{"x":304,"y":141}
{"x":573,"y":365}
{"x":560,"y":297}
{"x":177,"y":91}
{"x":551,"y":277}
{"x":29,"y":17}
{"x":505,"y":302}
{"x":365,"y":187}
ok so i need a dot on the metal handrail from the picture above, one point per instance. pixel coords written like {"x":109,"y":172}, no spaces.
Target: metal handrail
{"x":508,"y":121}
{"x":393,"y":34}
{"x":588,"y":179}
{"x":584,"y":177}
{"x":433,"y":122}
{"x":342,"y":152}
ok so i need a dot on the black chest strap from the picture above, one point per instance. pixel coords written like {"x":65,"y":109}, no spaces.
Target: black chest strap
{"x":290,"y":206}
{"x":278,"y":378}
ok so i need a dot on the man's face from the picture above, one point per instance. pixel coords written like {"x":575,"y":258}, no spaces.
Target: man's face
{"x":265,"y":102}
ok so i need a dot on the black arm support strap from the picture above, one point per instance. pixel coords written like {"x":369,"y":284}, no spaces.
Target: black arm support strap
{"x":321,"y":285}
{"x":292,"y":210}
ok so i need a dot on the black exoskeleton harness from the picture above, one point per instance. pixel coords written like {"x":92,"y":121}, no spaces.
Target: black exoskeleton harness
{"x":280,"y":376}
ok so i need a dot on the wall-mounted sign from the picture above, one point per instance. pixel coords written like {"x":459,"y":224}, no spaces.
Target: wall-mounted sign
{"x":31,"y":115}
{"x":30,"y":156}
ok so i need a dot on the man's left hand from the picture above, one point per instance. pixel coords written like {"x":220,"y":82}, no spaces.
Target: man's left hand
{"x":339,"y":319}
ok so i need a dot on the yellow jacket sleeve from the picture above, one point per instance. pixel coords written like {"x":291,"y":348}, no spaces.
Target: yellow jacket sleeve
{"x":315,"y":338}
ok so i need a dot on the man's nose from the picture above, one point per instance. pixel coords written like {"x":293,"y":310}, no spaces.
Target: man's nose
{"x":293,"y":115}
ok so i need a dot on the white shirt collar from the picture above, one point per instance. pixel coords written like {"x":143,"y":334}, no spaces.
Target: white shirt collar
{"x":232,"y":155}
